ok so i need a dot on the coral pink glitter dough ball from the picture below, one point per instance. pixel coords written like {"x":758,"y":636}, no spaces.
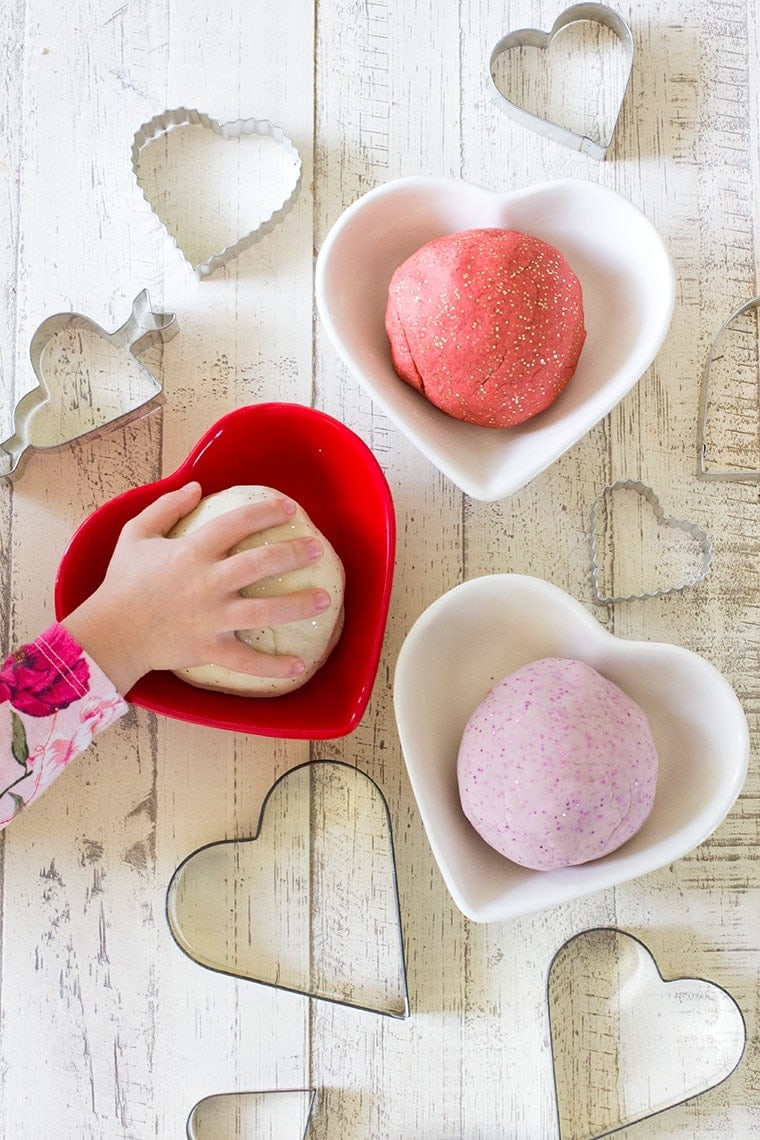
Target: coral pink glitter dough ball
{"x":487,"y":324}
{"x":557,"y":765}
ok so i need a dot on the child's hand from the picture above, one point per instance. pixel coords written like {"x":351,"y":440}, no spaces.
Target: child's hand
{"x":172,"y":603}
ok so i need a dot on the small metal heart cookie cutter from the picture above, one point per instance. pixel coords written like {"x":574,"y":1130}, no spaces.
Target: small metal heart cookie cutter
{"x":534,"y":37}
{"x":158,"y":128}
{"x":700,"y":536}
{"x":736,"y":474}
{"x":83,"y":385}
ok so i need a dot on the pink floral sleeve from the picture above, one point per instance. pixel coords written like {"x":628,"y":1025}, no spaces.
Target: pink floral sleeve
{"x":53,"y":700}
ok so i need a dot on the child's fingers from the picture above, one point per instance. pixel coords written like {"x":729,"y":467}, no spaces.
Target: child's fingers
{"x":258,"y":613}
{"x":250,"y":566}
{"x":159,"y":518}
{"x":236,"y":655}
{"x":219,"y":535}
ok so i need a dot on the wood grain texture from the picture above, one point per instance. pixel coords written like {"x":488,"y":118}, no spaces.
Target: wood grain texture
{"x":128,"y":1033}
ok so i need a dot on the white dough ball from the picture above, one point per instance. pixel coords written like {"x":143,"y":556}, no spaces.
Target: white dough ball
{"x":312,"y":639}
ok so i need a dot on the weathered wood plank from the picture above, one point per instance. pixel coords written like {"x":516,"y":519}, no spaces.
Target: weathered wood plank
{"x":130,"y":1033}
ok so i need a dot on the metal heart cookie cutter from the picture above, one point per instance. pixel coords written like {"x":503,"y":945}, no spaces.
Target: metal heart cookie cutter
{"x":701,"y":538}
{"x":188,"y":174}
{"x":310,"y":903}
{"x":275,"y":1113}
{"x":731,"y":474}
{"x":627,"y":1043}
{"x":88,"y":380}
{"x":534,"y":37}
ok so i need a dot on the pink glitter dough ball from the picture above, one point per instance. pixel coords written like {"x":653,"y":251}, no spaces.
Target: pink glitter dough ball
{"x":557,"y":765}
{"x":487,"y":324}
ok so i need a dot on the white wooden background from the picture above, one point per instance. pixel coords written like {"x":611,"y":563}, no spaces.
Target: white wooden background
{"x":106,"y":1029}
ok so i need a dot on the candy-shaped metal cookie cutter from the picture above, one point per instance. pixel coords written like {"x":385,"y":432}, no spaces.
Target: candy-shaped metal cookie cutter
{"x":281,"y":1113}
{"x":88,"y":380}
{"x":627,"y":1043}
{"x":534,"y":37}
{"x":730,"y":474}
{"x":202,"y":211}
{"x":310,"y":903}
{"x":701,"y":538}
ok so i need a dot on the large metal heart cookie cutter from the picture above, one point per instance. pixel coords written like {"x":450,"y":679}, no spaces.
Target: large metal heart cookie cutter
{"x":187,"y":184}
{"x":738,"y":473}
{"x":235,"y":1115}
{"x":88,"y":380}
{"x":533,"y":37}
{"x":627,"y":1043}
{"x":297,"y":905}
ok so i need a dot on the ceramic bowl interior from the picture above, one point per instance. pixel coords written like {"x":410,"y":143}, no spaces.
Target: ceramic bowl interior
{"x":335,"y":477}
{"x":628,"y":290}
{"x":486,"y":628}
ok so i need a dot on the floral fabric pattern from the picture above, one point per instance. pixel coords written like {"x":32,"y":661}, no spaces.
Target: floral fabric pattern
{"x":53,"y":700}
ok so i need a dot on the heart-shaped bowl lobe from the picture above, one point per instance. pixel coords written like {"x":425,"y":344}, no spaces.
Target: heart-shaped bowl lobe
{"x":628,"y":293}
{"x":332,"y":473}
{"x":479,"y":632}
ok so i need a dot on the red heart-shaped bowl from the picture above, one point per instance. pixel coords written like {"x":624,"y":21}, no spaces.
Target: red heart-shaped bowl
{"x":332,"y":473}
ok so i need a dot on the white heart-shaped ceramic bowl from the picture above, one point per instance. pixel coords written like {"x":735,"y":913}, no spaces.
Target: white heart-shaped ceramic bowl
{"x":479,"y":632}
{"x":628,"y":292}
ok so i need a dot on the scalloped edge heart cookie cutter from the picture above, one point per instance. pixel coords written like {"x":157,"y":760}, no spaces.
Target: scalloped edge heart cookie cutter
{"x":728,"y":475}
{"x":161,"y":124}
{"x":696,"y":532}
{"x":534,"y":37}
{"x":141,"y":331}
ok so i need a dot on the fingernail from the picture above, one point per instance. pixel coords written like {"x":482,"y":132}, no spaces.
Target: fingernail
{"x":321,"y":601}
{"x":297,"y":668}
{"x":314,"y":549}
{"x":288,"y":506}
